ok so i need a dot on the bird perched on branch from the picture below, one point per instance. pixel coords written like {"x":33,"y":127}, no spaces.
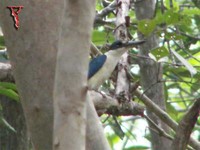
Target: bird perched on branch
{"x":101,"y":67}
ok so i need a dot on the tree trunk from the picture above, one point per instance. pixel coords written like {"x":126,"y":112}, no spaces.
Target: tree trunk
{"x":45,"y":27}
{"x":71,"y":75}
{"x":32,"y":50}
{"x":96,"y":139}
{"x":151,"y":74}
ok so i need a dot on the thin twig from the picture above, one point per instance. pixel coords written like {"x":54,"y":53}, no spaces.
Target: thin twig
{"x":160,"y":130}
{"x":163,"y":116}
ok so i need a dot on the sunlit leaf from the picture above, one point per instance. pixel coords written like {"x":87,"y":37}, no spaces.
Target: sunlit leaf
{"x":137,"y":147}
{"x":101,"y":37}
{"x":190,"y":68}
{"x":173,"y":36}
{"x":113,"y":139}
{"x":190,"y":11}
{"x":99,"y":6}
{"x":98,"y":37}
{"x":171,"y":17}
{"x":146,"y":26}
{"x":171,"y":111}
{"x":171,"y":4}
{"x":159,"y":19}
{"x":160,"y":52}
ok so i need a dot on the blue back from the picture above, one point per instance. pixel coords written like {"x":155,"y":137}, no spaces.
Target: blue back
{"x":96,"y":64}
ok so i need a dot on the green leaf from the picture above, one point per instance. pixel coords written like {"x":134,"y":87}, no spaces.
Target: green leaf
{"x":112,"y":139}
{"x":9,"y":93}
{"x":100,"y":37}
{"x":173,"y":36}
{"x":7,"y":124}
{"x":175,"y":5}
{"x":190,"y":68}
{"x":8,"y":85}
{"x":118,"y":130}
{"x":171,"y":111}
{"x":196,"y":85}
{"x":185,"y":24}
{"x":171,"y":17}
{"x":146,"y":26}
{"x":165,"y":92}
{"x":160,"y":52}
{"x":99,"y":6}
{"x":2,"y":42}
{"x":159,"y":19}
{"x":180,"y":71}
{"x":189,"y":11}
{"x":137,"y":147}
{"x":1,"y":108}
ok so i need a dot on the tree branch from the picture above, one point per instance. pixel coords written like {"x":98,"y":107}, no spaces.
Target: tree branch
{"x":95,"y":136}
{"x":108,"y":105}
{"x":105,"y":12}
{"x":185,"y":127}
{"x":163,"y":116}
{"x":103,"y":103}
{"x":159,"y":129}
{"x":94,"y":50}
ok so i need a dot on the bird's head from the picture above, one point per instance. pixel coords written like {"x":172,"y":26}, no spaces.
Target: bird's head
{"x":119,"y":44}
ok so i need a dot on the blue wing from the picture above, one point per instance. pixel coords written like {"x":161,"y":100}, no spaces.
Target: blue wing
{"x":96,"y":64}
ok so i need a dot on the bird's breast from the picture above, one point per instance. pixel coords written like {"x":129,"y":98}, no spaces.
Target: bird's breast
{"x":103,"y":74}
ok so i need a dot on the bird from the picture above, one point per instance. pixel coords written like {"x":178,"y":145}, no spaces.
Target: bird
{"x":102,"y":66}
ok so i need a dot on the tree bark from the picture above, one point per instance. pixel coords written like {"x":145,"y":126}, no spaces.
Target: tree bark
{"x":96,"y":139}
{"x":186,"y":126}
{"x":151,"y":73}
{"x":121,"y":33}
{"x":71,"y":75}
{"x":32,"y":50}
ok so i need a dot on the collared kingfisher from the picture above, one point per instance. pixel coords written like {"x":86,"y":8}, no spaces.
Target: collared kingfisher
{"x":101,"y":67}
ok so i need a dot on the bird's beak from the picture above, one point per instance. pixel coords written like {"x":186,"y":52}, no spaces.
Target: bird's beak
{"x":131,"y":44}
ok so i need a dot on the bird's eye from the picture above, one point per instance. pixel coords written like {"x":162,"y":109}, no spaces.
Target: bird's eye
{"x":116,"y":44}
{"x":119,"y":43}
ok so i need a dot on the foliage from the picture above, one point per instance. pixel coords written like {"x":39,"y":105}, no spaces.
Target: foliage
{"x":9,"y":90}
{"x":177,"y":24}
{"x":6,"y":89}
